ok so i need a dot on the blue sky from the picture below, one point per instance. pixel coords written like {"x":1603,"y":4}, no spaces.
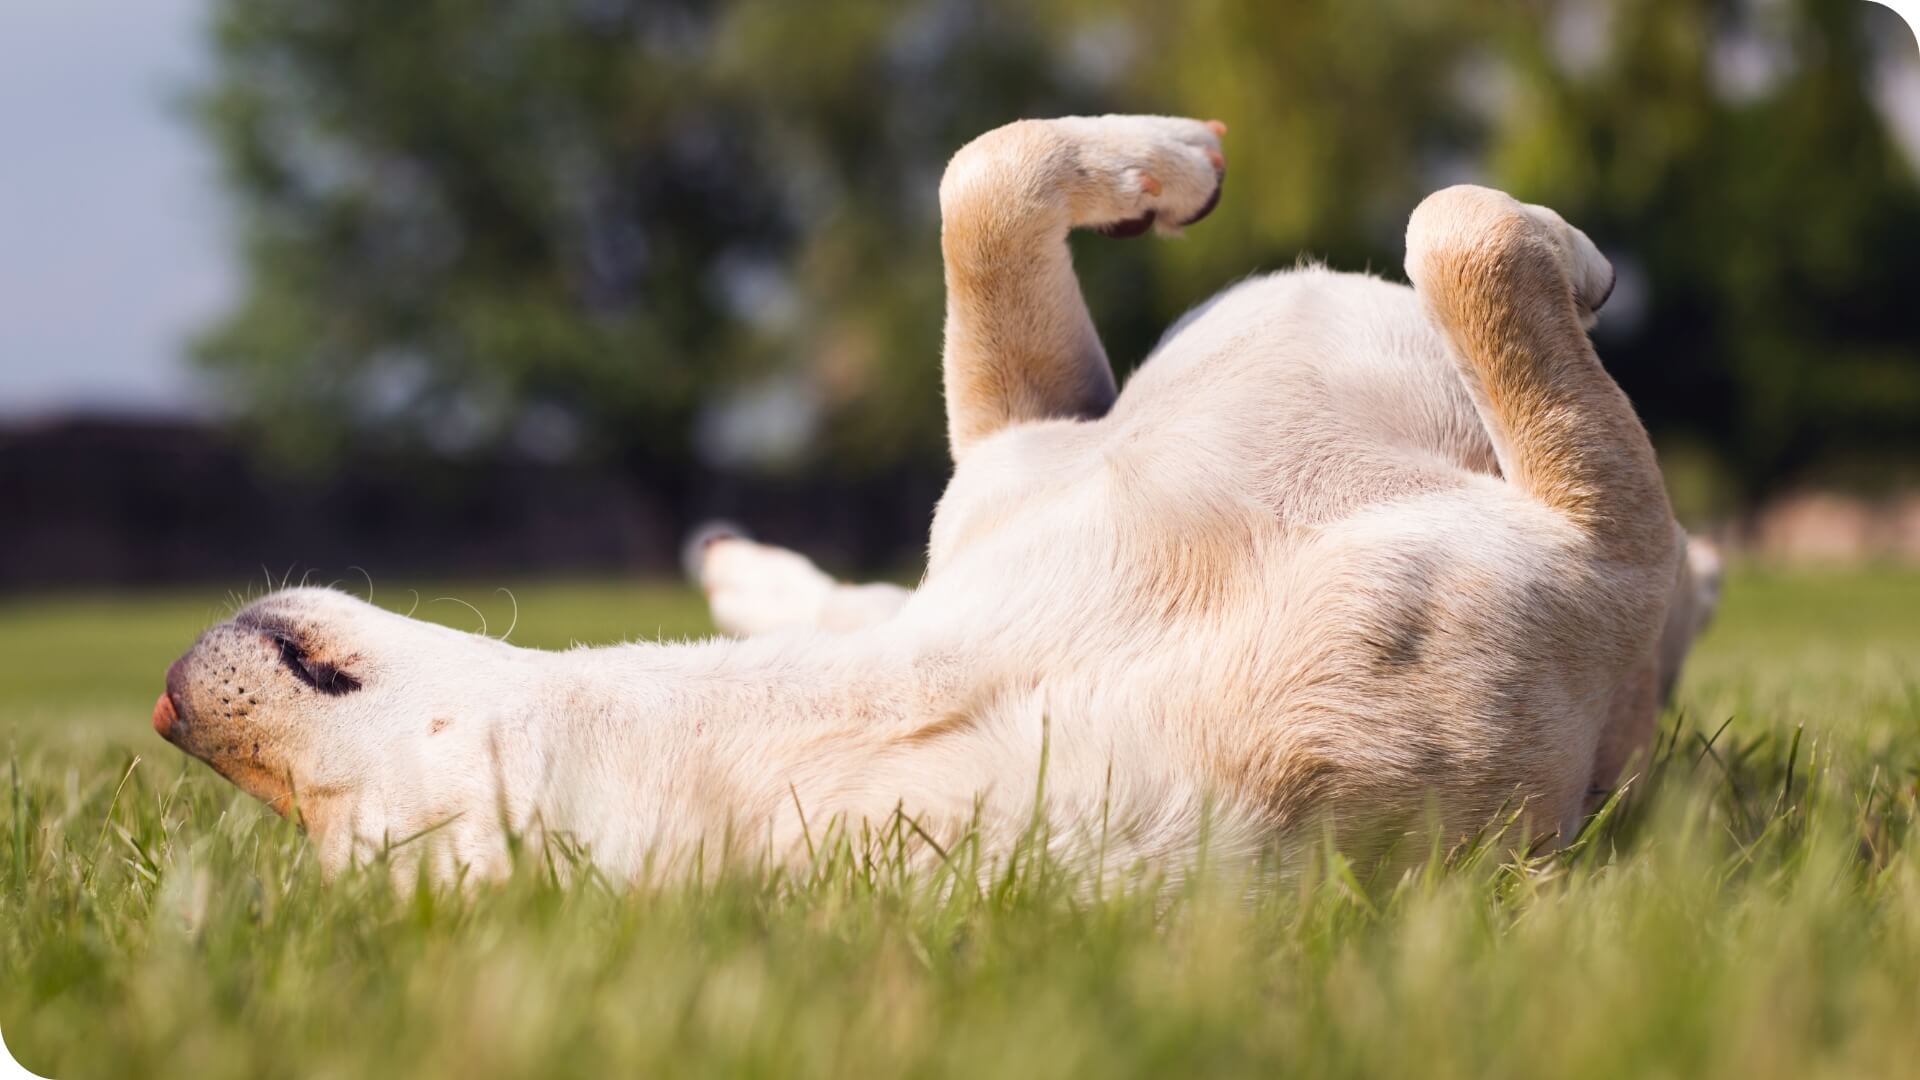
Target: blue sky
{"x":113,"y":246}
{"x":111,"y":234}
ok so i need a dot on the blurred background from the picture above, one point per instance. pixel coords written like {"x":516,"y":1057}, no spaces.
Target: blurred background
{"x":474,"y":289}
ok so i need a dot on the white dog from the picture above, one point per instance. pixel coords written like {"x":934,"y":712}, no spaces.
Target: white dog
{"x":1345,"y":556}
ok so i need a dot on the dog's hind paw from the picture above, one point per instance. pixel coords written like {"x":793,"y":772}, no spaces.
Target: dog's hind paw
{"x":694,"y":551}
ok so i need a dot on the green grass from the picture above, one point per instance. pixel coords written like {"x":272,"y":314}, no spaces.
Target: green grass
{"x":1752,"y":908}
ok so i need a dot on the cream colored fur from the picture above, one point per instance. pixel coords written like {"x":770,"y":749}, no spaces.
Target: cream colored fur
{"x":1345,"y":555}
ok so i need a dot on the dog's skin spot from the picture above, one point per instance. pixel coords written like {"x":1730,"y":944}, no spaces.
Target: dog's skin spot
{"x":439,"y":725}
{"x":1401,"y":646}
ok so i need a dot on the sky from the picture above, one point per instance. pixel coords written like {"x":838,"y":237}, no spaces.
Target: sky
{"x":112,"y":239}
{"x":113,"y":243}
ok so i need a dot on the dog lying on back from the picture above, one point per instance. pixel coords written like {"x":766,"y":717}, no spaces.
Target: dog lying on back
{"x":1346,"y":556}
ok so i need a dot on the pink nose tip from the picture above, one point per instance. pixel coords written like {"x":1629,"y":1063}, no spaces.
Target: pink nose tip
{"x":164,"y":715}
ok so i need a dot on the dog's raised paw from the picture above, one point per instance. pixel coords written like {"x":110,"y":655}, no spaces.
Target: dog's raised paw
{"x":1141,"y":173}
{"x":1588,"y":271}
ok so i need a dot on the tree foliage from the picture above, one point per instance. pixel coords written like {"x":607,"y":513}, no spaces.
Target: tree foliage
{"x":572,"y":227}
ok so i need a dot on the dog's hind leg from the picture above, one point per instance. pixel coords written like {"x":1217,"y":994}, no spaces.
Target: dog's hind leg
{"x":754,"y":588}
{"x":1020,"y":344}
{"x":1514,"y":288}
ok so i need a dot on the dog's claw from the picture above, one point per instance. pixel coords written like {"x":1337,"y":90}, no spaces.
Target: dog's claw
{"x":1606,"y":293}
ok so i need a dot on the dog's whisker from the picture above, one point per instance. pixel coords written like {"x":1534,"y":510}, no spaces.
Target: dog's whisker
{"x":476,"y":611}
{"x":364,"y":573}
{"x":516,"y":611}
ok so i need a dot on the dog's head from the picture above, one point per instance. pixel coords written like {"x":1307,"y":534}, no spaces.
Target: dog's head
{"x":354,"y":721}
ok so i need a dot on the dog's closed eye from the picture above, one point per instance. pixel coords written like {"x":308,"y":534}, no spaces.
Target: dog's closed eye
{"x":318,"y":674}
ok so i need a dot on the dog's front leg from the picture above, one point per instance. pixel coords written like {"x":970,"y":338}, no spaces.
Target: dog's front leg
{"x":1020,"y":344}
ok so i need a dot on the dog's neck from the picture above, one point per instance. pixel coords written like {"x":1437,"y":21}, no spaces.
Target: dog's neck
{"x":667,"y":757}
{"x":663,"y":752}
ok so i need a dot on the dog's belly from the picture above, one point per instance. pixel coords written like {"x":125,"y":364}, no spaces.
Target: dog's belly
{"x":1290,"y":358}
{"x":1288,"y":568}
{"x":1381,"y":670}
{"x":1410,"y":657}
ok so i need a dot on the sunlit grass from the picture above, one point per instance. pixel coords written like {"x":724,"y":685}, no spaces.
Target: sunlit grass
{"x":1750,"y":907}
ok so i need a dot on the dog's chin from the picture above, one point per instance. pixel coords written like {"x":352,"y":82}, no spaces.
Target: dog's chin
{"x":272,"y":786}
{"x":257,"y":774}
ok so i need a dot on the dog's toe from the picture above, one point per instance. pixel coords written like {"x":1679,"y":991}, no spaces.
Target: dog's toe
{"x":693,"y":553}
{"x":1213,"y":200}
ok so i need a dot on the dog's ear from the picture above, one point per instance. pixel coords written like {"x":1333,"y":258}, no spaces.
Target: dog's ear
{"x":1708,"y":568}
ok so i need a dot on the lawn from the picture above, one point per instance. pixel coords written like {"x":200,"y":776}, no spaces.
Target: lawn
{"x":1751,"y":907}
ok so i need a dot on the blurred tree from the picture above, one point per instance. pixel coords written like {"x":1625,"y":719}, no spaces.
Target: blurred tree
{"x":571,"y":227}
{"x":561,"y":225}
{"x":1732,"y":159}
{"x":476,"y":222}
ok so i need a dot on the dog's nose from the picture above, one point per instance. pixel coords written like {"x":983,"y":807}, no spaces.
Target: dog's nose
{"x":164,"y":716}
